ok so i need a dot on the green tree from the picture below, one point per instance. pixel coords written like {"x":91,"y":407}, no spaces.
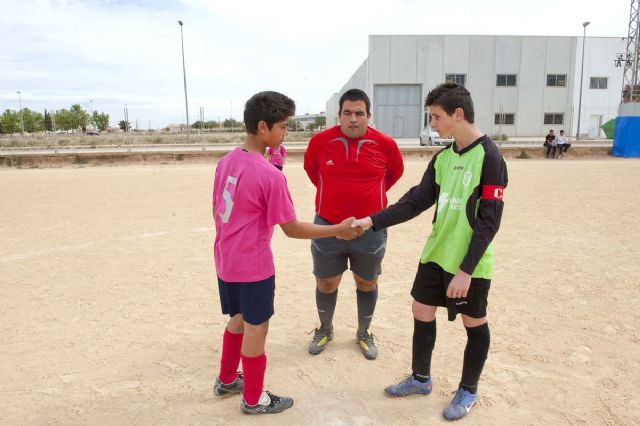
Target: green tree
{"x":48,"y":121}
{"x":10,"y":122}
{"x":80,"y":117}
{"x":231,"y":122}
{"x":294,"y":125}
{"x":64,"y":119}
{"x":100,"y":120}
{"x":124,"y":125}
{"x":211,"y":124}
{"x":33,"y":121}
{"x":320,"y":121}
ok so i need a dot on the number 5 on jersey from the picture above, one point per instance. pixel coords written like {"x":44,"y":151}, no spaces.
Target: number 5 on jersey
{"x":228,"y":201}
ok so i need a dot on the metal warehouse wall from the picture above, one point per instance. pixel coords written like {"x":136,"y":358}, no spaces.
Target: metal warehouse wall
{"x":425,"y":60}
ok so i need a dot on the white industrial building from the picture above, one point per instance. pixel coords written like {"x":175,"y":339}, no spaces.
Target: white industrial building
{"x":522,"y":85}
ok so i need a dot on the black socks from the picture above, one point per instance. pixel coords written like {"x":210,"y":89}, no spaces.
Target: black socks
{"x":424,"y":339}
{"x":475,"y":354}
{"x":326,"y":304}
{"x":366,"y":306}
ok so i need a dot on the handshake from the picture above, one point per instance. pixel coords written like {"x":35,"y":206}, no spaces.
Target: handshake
{"x":351,"y":228}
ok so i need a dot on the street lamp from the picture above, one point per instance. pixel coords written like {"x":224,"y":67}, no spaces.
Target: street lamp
{"x":21,"y":116}
{"x":184,"y":74}
{"x":584,"y":39}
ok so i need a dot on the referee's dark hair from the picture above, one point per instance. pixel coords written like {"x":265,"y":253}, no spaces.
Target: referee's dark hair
{"x":354,"y":95}
{"x":450,"y":96}
{"x":269,"y":107}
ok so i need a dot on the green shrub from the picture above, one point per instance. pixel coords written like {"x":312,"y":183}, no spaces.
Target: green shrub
{"x":179,"y":157}
{"x":523,"y":155}
{"x":498,"y":137}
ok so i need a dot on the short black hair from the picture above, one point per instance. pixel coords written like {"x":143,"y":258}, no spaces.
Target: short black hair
{"x":269,"y":107}
{"x":354,"y":95}
{"x":450,"y":96}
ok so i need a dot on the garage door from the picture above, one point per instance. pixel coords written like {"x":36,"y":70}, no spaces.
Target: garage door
{"x":397,"y":109}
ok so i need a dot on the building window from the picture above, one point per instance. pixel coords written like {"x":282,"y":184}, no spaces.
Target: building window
{"x":506,"y":80}
{"x":556,"y":80}
{"x":554,"y":118}
{"x":505,"y":118}
{"x":598,"y":83}
{"x":455,"y":78}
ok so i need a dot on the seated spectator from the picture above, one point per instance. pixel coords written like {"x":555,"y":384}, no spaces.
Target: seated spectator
{"x":550,"y":144}
{"x":562,"y":145}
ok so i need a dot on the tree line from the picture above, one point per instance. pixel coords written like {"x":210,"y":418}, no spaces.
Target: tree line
{"x":75,"y":118}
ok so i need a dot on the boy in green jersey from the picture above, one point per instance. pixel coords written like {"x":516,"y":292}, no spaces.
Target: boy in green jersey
{"x":465,"y":182}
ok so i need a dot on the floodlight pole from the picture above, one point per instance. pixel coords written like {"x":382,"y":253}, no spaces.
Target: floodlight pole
{"x":584,"y":40}
{"x":21,"y":115}
{"x":184,"y":74}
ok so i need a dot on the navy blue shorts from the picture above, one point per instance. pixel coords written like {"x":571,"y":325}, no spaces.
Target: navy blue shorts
{"x":430,"y":288}
{"x":253,"y":300}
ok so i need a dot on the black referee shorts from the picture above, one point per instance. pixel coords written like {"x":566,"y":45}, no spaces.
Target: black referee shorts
{"x":430,"y":288}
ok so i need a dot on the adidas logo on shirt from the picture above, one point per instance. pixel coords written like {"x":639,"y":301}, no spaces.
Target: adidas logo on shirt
{"x":329,"y":162}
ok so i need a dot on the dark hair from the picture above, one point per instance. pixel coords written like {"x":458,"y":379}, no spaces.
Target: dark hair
{"x":269,"y":107}
{"x":561,"y":131}
{"x":354,"y":95}
{"x":450,"y":96}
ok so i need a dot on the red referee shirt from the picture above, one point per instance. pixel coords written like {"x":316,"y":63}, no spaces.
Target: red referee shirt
{"x":352,"y":176}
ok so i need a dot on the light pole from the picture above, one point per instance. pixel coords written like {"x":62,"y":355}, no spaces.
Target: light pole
{"x":584,"y":39}
{"x":184,"y":74}
{"x":21,"y":116}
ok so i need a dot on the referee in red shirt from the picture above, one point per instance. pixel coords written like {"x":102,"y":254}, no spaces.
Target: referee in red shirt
{"x":352,"y":166}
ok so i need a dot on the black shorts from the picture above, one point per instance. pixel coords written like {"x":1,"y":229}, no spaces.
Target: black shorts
{"x":430,"y":288}
{"x":254,"y":300}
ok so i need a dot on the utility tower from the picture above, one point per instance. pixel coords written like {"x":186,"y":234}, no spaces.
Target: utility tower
{"x":631,"y":59}
{"x":626,"y":142}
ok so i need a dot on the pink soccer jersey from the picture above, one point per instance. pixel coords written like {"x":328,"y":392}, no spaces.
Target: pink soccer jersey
{"x":276,"y":155}
{"x":250,"y":197}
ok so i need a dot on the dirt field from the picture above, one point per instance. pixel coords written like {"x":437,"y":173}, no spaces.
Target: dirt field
{"x":109,"y":311}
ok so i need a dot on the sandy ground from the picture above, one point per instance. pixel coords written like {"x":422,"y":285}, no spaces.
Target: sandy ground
{"x":109,"y":311}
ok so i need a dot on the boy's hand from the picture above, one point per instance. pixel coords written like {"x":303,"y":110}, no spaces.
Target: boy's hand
{"x":364,"y":223}
{"x":346,"y":231}
{"x":459,"y":285}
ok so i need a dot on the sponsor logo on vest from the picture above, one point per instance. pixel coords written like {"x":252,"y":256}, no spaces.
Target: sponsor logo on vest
{"x":442,"y":201}
{"x":466,"y":179}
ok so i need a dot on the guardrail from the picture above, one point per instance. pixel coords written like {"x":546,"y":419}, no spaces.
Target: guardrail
{"x":32,"y":160}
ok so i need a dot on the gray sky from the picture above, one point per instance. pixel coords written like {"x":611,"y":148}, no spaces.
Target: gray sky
{"x":112,"y":53}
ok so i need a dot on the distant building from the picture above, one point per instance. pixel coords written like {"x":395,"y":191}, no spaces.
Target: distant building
{"x":175,"y":128}
{"x":522,"y":85}
{"x":307,"y":119}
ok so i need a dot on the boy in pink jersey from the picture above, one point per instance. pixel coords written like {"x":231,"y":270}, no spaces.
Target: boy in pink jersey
{"x":276,"y":156}
{"x":250,"y":197}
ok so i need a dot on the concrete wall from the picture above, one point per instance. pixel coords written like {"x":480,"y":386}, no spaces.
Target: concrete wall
{"x":599,"y":56}
{"x":357,"y":81}
{"x":426,"y":59}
